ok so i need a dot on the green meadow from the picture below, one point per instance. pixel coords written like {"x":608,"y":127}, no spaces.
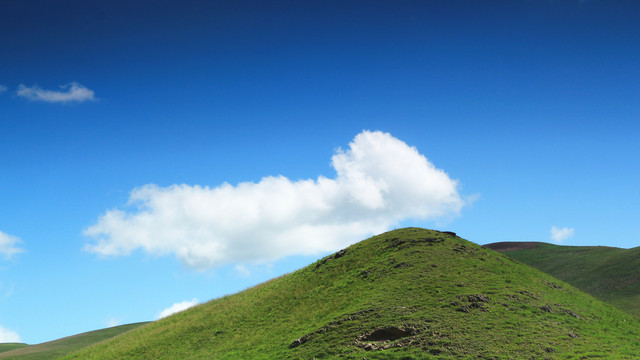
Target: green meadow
{"x":610,"y":274}
{"x":406,"y":294}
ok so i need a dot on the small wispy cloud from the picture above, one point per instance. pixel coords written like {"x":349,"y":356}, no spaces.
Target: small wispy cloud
{"x":72,"y":92}
{"x":243,"y":270}
{"x":561,"y":234}
{"x":7,"y":290}
{"x":9,"y":336}
{"x":9,"y":245}
{"x":113,"y":322}
{"x":177,"y":307}
{"x":2,"y":89}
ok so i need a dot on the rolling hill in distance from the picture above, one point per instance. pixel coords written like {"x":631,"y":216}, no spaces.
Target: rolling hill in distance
{"x":608,"y":273}
{"x":11,"y":346}
{"x":58,"y":348}
{"x":405,"y":294}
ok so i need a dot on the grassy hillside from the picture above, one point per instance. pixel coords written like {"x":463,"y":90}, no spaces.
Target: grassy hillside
{"x":11,"y":346}
{"x":610,"y":274}
{"x":58,"y":348}
{"x":405,"y":294}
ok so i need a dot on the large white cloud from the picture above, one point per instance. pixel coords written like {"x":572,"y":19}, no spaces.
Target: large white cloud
{"x":177,"y":307}
{"x":9,"y":245}
{"x":380,"y":181}
{"x":8,"y":336}
{"x":72,"y":92}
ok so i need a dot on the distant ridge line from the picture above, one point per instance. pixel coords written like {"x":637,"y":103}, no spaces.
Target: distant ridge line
{"x":512,"y":245}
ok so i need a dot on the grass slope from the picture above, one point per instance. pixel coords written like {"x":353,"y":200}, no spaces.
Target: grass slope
{"x":61,"y":347}
{"x":11,"y":346}
{"x":406,"y":294}
{"x":609,"y":274}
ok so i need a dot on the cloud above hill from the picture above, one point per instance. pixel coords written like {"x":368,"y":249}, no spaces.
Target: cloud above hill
{"x":561,"y":234}
{"x":8,"y":336}
{"x":9,"y":245}
{"x":380,"y":181}
{"x":72,"y":92}
{"x":177,"y":307}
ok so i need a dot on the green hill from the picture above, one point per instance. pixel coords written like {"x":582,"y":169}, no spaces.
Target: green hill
{"x":11,"y":346}
{"x":58,"y":348}
{"x":610,"y":274}
{"x":405,"y":294}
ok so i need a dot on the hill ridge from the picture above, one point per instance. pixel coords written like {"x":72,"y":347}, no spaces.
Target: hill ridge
{"x":502,"y":246}
{"x":405,"y":294}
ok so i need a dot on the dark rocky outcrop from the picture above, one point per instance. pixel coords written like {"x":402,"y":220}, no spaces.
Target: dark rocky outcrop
{"x":337,"y":255}
{"x":387,"y":337}
{"x":388,"y":333}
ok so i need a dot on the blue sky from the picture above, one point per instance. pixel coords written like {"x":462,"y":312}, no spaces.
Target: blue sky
{"x":121,"y":123}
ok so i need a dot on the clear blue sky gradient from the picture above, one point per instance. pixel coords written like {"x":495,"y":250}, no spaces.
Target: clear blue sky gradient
{"x":534,"y":106}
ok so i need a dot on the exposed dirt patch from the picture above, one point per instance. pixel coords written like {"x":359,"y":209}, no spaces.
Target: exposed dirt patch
{"x":383,"y":335}
{"x":557,"y":307}
{"x":349,"y":317}
{"x":299,"y":341}
{"x":387,"y":337}
{"x":478,"y":298}
{"x":466,"y":303}
{"x":463,"y":249}
{"x":401,"y":265}
{"x":547,"y":308}
{"x":529,"y":294}
{"x":388,"y":333}
{"x":570,"y":312}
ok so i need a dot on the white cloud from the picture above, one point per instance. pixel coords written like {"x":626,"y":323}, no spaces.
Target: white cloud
{"x":559,"y":235}
{"x":70,"y":93}
{"x":8,"y":245}
{"x":380,"y":181}
{"x":8,"y":336}
{"x":2,"y":89}
{"x":177,"y":307}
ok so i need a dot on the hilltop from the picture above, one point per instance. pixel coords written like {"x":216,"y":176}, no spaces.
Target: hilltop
{"x":405,"y":294}
{"x":608,"y":273}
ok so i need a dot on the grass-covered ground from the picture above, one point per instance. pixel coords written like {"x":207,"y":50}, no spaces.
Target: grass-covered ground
{"x":58,"y":348}
{"x":610,"y":274}
{"x":11,"y":346}
{"x":405,"y":294}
